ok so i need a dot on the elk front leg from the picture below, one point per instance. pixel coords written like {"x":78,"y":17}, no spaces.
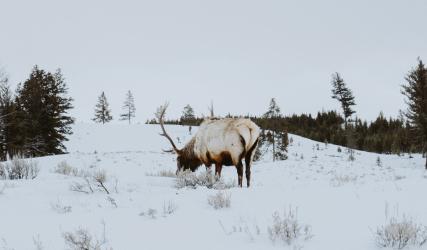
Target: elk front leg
{"x":240,"y":173}
{"x":218,"y":169}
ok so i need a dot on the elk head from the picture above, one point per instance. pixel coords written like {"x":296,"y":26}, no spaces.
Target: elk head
{"x":186,"y":159}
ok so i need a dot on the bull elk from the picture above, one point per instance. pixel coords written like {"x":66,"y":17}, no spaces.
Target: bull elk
{"x":223,"y":142}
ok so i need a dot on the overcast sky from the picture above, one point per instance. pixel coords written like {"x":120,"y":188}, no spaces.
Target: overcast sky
{"x":237,"y":53}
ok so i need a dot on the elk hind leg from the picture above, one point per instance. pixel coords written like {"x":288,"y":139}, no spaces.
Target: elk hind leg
{"x":218,"y":169}
{"x":248,"y":162}
{"x":239,"y":167}
{"x":248,"y":170}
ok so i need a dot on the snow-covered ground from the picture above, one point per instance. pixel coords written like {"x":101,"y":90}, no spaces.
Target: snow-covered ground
{"x":343,"y":201}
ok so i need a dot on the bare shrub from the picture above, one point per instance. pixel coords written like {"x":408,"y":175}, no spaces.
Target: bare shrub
{"x":378,"y":162}
{"x":204,"y":179}
{"x":19,"y":168}
{"x":150,"y":213}
{"x":399,"y":233}
{"x":340,"y":180}
{"x":91,"y":182}
{"x":3,"y":173}
{"x":287,"y":228}
{"x":112,"y":201}
{"x":169,"y":208}
{"x":5,"y":246}
{"x":2,"y":188}
{"x":60,"y":208}
{"x":38,"y":244}
{"x":81,"y":187}
{"x":81,"y":239}
{"x":100,"y":178}
{"x":163,"y":173}
{"x":351,"y":156}
{"x":242,"y":227}
{"x":64,"y":168}
{"x":399,"y":177}
{"x":220,"y":200}
{"x":189,"y":179}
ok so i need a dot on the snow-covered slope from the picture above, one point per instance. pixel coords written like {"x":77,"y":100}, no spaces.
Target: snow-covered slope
{"x":343,"y":201}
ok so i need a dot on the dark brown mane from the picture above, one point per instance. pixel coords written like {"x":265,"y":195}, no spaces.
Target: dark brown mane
{"x":188,"y":158}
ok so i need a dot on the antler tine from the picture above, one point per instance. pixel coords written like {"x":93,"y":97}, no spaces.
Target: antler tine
{"x":161,"y":115}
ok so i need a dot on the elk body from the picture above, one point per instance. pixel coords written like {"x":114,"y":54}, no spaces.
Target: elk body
{"x":224,"y":142}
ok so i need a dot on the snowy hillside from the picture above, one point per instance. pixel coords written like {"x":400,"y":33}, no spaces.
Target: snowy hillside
{"x":342,"y":201}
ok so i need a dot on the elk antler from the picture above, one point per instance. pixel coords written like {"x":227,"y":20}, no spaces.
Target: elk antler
{"x":160,"y":114}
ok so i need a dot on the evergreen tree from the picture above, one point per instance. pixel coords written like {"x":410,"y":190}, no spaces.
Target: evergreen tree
{"x":41,"y":119}
{"x":282,"y":143}
{"x":188,"y":117}
{"x":415,"y":91}
{"x":259,"y":149}
{"x":128,"y":108}
{"x":6,"y":116}
{"x":273,"y":115}
{"x":211,"y":110}
{"x":102,"y":110}
{"x":343,"y":94}
{"x":273,"y":111}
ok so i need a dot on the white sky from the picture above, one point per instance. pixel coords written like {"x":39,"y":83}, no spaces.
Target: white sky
{"x":238,"y":53}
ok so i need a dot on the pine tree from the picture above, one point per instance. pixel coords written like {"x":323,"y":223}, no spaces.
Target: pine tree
{"x":128,"y":108}
{"x":188,"y":117}
{"x":102,"y":110}
{"x":41,"y":120}
{"x":261,"y":141}
{"x":415,"y":91}
{"x":282,"y":143}
{"x":273,"y":110}
{"x":273,"y":114}
{"x":344,"y":95}
{"x":211,"y":111}
{"x":6,"y":116}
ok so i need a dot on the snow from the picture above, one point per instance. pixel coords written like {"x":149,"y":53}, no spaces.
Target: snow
{"x":343,"y":201}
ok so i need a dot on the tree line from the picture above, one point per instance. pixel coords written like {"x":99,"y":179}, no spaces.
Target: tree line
{"x":406,"y":133}
{"x":35,"y":120}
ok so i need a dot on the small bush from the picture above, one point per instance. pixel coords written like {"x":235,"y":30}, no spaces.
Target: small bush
{"x":351,"y":156}
{"x":379,"y":162}
{"x":38,"y":244}
{"x":169,"y":208}
{"x":287,"y":228}
{"x":150,"y":213}
{"x":100,"y":178}
{"x":60,"y":208}
{"x":163,"y":173}
{"x":83,"y":240}
{"x":92,"y":181}
{"x":220,"y":200}
{"x":340,"y":180}
{"x":400,"y":233}
{"x":205,"y":179}
{"x":2,"y":188}
{"x":64,"y":168}
{"x":19,"y":168}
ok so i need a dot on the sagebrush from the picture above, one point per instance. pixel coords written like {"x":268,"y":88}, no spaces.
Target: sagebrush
{"x":399,"y":233}
{"x":19,"y":168}
{"x":287,"y":228}
{"x":204,"y":179}
{"x":220,"y":200}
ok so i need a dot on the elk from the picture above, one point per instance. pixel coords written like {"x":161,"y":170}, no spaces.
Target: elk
{"x":223,"y":142}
